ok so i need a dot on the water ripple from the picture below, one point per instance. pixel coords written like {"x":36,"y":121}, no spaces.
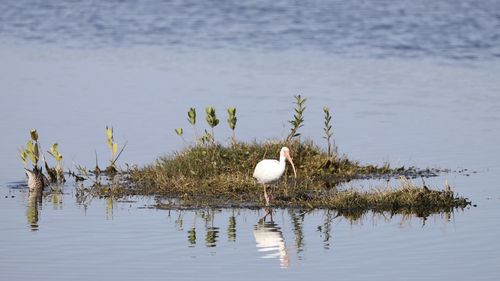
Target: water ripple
{"x":458,"y":30}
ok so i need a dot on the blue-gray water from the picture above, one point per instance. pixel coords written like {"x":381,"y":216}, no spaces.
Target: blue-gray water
{"x":408,"y":82}
{"x":463,"y":29}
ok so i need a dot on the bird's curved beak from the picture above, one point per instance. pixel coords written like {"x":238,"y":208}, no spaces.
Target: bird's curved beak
{"x":287,"y":155}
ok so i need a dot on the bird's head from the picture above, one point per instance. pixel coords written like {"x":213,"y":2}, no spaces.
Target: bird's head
{"x":30,"y":174}
{"x":286,"y":153}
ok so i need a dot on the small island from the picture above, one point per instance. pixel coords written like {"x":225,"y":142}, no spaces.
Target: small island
{"x":210,"y":174}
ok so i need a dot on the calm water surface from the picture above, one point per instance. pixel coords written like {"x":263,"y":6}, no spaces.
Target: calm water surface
{"x":127,"y":240}
{"x":411,"y":83}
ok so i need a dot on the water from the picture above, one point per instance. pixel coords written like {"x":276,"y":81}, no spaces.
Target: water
{"x":412,"y":83}
{"x":127,"y":240}
{"x":464,"y":29}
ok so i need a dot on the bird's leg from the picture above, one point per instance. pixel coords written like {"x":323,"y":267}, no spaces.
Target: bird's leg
{"x":269,"y":211}
{"x":270,"y":193}
{"x":265,"y":195}
{"x":273,"y":190}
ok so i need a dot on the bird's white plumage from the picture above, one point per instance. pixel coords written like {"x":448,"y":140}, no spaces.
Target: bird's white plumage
{"x":269,"y":170}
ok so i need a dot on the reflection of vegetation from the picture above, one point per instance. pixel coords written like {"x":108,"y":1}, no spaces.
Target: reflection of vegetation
{"x":109,"y":208}
{"x":212,"y":236}
{"x":56,"y":198}
{"x":327,"y":228}
{"x":179,"y":222}
{"x":103,"y":184}
{"x":82,"y":198}
{"x":192,"y":236}
{"x":34,"y":199}
{"x":297,"y":221}
{"x":231,"y":229}
{"x":270,"y":237}
{"x":212,"y":232}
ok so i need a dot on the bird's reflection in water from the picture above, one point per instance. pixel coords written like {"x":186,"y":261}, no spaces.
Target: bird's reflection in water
{"x":269,"y":239}
{"x":34,"y":201}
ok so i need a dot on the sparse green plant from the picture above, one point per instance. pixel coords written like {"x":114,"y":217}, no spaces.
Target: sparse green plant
{"x":86,"y":174}
{"x":211,"y":120}
{"x":298,"y":118}
{"x":192,"y":120}
{"x":113,"y":146}
{"x":51,"y":172}
{"x":24,"y":156}
{"x":34,"y":135}
{"x":54,"y":152}
{"x":332,"y":148}
{"x":180,"y":133}
{"x":207,"y":138}
{"x":232,"y":121}
{"x":31,"y":151}
{"x":97,"y":170}
{"x":83,"y":171}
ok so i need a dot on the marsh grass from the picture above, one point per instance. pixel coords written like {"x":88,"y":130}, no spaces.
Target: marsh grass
{"x":217,"y":175}
{"x":206,"y":165}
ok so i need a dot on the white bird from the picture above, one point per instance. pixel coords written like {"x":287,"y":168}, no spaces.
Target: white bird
{"x":269,"y":170}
